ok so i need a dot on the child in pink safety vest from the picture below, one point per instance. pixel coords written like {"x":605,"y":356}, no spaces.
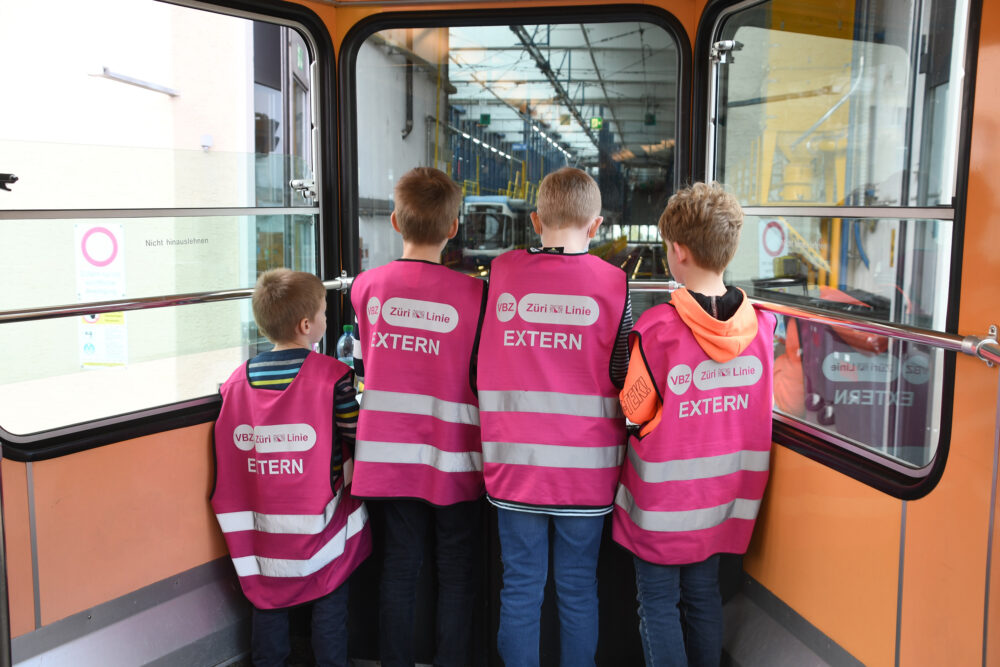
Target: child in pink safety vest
{"x":700,"y":387}
{"x":283,"y":445}
{"x":419,"y":451}
{"x":552,"y":359}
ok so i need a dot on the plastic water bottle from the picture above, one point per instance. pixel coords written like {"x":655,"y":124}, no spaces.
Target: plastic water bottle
{"x":345,"y":346}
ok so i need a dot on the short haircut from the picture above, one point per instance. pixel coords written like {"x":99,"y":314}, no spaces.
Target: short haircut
{"x":427,"y":202}
{"x":282,"y":298}
{"x":707,"y":220}
{"x":568,"y":197}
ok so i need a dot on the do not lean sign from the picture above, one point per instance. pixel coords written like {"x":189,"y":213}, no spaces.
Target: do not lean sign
{"x":99,"y":260}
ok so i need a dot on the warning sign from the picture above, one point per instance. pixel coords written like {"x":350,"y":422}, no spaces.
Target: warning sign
{"x":103,"y":340}
{"x":100,"y":262}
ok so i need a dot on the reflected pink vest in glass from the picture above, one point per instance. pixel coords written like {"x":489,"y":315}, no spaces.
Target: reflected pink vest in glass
{"x":418,"y":431}
{"x":292,"y":537}
{"x":553,"y":430}
{"x":692,"y":486}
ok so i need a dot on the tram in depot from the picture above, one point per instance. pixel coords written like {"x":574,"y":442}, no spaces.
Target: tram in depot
{"x":156,"y":157}
{"x":491,"y":225}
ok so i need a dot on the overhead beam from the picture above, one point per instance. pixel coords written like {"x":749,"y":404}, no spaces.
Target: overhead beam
{"x":546,"y":69}
{"x":557,"y":47}
{"x":600,"y":79}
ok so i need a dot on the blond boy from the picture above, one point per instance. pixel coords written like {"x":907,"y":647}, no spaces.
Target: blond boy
{"x":551,"y":363}
{"x":699,"y":385}
{"x":293,"y":530}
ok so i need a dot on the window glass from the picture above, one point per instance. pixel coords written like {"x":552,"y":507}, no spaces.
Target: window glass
{"x":139,"y":128}
{"x":498,"y":108}
{"x":817,"y":106}
{"x":151,"y":106}
{"x":821,"y":105}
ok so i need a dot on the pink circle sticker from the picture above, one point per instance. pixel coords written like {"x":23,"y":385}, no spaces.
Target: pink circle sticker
{"x":114,"y":246}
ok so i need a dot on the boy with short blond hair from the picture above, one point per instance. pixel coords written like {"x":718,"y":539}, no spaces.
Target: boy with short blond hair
{"x":552,"y":359}
{"x":293,"y":530}
{"x":418,"y":435}
{"x":699,"y":386}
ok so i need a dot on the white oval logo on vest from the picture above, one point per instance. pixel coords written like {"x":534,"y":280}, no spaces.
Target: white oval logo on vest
{"x":738,"y":372}
{"x":679,"y":378}
{"x":506,"y":307}
{"x":275,"y":438}
{"x":416,"y":314}
{"x":917,"y":368}
{"x":858,"y":367}
{"x":566,"y":309}
{"x":373,"y":309}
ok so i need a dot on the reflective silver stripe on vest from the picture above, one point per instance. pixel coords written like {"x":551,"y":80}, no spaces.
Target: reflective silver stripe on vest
{"x":248,"y":566}
{"x":705,"y":467}
{"x":419,"y":404}
{"x":293,"y":524}
{"x":369,"y":451}
{"x":553,"y":456}
{"x":551,"y":402}
{"x":679,"y":521}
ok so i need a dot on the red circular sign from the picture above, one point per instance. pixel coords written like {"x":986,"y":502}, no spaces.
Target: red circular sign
{"x":768,"y":235}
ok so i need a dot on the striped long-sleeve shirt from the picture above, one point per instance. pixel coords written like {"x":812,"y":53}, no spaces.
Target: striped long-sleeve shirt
{"x":277,"y":369}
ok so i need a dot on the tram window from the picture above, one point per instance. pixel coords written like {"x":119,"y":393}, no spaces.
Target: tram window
{"x":154,"y":159}
{"x":498,"y":107}
{"x":821,"y":107}
{"x":825,"y":106}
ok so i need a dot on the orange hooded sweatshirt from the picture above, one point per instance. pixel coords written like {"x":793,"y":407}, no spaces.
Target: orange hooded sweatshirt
{"x":721,"y":340}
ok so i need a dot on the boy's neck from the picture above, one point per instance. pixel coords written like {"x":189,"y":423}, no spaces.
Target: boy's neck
{"x":424,"y":252}
{"x":570,"y":239}
{"x":291,"y":345}
{"x":703,"y":281}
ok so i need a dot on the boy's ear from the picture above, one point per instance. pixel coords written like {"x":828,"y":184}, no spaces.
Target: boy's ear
{"x":536,"y":224}
{"x":453,"y":230}
{"x":681,"y":251}
{"x":592,"y":230}
{"x":303,"y":327}
{"x":395,"y":224}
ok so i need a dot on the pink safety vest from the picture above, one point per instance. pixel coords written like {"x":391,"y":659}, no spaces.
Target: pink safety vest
{"x":292,"y":537}
{"x":553,"y":430}
{"x":692,"y":486}
{"x":418,"y":431}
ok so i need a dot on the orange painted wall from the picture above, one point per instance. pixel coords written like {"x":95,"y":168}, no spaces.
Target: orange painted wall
{"x":976,"y":394}
{"x":17,"y":533}
{"x":829,"y":547}
{"x":339,"y":20}
{"x":114,"y":519}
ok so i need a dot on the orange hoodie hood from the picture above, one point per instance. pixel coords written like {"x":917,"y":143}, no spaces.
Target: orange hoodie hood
{"x":720,"y":340}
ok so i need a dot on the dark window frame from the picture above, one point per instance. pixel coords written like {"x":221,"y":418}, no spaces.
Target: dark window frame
{"x":358,"y":33}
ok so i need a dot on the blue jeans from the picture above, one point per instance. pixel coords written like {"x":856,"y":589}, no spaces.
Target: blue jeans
{"x":409,"y":524}
{"x":270,"y":644}
{"x":680,"y":613}
{"x":524,"y":547}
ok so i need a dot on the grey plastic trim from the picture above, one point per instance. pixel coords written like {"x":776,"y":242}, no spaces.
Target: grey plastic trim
{"x":115,"y":213}
{"x":867,"y":212}
{"x":33,"y":539}
{"x":199,"y":610}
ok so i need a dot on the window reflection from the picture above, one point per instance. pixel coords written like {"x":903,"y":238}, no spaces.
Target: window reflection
{"x":836,"y":109}
{"x":874,"y":391}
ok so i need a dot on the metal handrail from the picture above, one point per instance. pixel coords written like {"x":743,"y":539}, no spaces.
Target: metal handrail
{"x":985,"y":348}
{"x":341,"y":284}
